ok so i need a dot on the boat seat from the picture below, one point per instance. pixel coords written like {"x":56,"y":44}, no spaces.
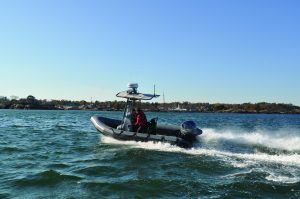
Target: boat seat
{"x":151,"y":126}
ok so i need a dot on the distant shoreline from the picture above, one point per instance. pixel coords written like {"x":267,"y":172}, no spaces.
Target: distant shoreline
{"x":267,"y":113}
{"x":32,"y":103}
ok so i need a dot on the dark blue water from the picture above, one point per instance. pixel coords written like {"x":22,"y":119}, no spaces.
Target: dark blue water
{"x":59,"y":154}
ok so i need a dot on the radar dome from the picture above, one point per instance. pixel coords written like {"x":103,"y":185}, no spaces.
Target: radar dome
{"x":133,"y":85}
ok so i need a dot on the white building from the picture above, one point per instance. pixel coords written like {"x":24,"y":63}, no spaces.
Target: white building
{"x":13,"y":97}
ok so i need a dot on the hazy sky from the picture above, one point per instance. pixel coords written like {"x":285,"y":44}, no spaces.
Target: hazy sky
{"x":200,"y":51}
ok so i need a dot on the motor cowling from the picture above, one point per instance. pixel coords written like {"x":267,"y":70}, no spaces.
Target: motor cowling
{"x":189,"y":130}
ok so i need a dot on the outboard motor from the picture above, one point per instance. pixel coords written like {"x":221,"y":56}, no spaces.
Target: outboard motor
{"x":189,"y":131}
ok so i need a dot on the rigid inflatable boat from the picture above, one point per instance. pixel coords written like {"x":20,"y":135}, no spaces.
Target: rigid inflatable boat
{"x":183,"y":135}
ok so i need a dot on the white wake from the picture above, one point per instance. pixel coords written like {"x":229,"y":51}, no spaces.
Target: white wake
{"x":287,"y":140}
{"x":285,"y":159}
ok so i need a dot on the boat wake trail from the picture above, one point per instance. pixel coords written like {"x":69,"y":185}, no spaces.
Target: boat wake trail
{"x":278,"y":166}
{"x":283,"y":140}
{"x":237,"y":159}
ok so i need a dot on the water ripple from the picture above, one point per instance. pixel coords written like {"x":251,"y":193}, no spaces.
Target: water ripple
{"x":59,"y":154}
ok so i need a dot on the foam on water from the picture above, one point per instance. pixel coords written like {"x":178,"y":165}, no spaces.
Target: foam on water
{"x":290,"y":178}
{"x":285,"y":159}
{"x":288,"y":164}
{"x":278,"y":140}
{"x":283,"y":178}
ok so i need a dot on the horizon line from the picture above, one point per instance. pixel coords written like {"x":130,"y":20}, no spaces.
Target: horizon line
{"x":14,"y":97}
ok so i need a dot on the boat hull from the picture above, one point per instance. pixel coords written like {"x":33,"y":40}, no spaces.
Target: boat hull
{"x":165,"y":133}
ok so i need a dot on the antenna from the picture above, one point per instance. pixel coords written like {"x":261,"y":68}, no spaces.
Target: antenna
{"x":154,"y":91}
{"x":164,"y":102}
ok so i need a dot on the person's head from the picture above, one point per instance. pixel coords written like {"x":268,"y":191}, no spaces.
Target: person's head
{"x":139,"y":110}
{"x":133,"y":110}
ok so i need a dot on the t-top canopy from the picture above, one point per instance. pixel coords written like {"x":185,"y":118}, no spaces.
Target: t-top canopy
{"x":129,"y":94}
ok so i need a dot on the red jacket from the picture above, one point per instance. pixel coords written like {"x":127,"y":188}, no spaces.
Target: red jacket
{"x":141,"y":118}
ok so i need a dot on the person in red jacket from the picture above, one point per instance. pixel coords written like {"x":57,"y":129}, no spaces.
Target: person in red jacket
{"x":141,"y":120}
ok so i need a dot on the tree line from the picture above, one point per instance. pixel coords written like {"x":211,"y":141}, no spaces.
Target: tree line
{"x":32,"y":103}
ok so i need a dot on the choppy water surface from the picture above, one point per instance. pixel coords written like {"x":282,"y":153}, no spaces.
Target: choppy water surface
{"x":59,"y":154}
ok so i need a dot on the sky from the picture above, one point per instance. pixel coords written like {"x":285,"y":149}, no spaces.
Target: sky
{"x":216,"y":51}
